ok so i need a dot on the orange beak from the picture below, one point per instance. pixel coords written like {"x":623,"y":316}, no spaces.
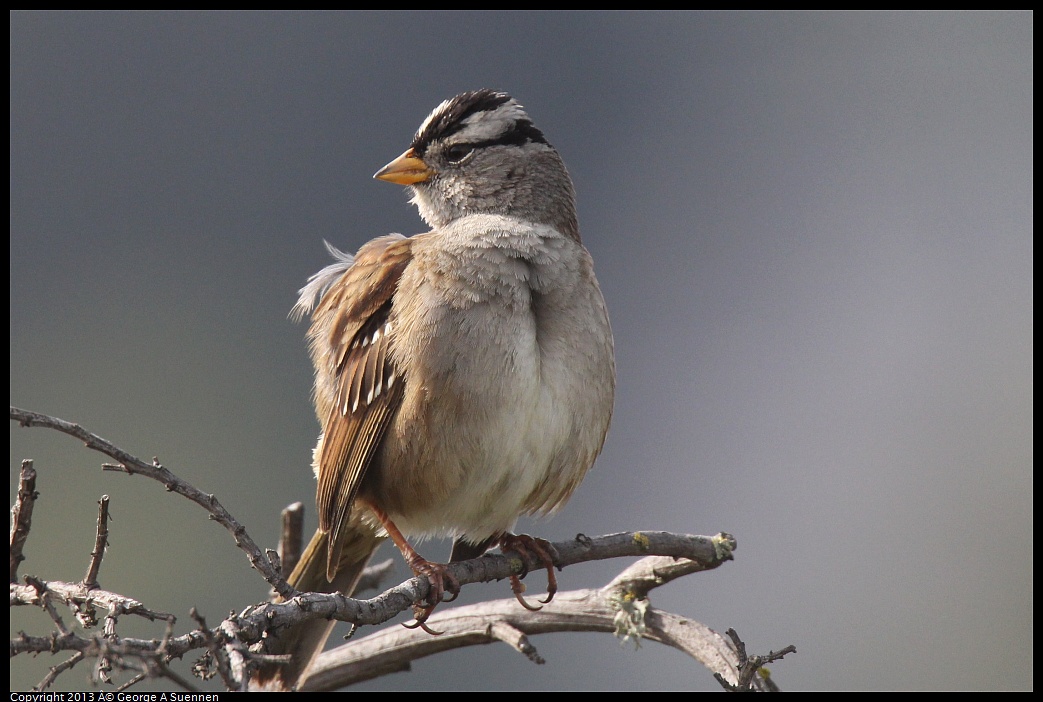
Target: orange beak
{"x":405,"y":170}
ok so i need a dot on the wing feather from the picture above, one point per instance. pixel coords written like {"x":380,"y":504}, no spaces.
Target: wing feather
{"x":358,"y":389}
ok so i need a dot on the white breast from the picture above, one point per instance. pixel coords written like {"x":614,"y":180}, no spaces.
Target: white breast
{"x":506,"y":404}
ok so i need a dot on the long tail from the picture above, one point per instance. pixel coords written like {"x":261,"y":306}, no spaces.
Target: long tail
{"x":304,"y":643}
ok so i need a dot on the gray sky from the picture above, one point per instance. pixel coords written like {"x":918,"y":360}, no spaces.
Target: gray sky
{"x":813,"y":231}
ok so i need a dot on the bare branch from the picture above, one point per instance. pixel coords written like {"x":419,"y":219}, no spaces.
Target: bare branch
{"x":234,"y":647}
{"x":57,"y":670}
{"x":708,"y":552}
{"x":22,"y":515}
{"x":749,"y":667}
{"x":292,"y":537}
{"x":393,"y":649}
{"x":516,"y":639}
{"x":44,"y":599}
{"x":251,"y":625}
{"x":101,"y":540}
{"x":132,"y":682}
{"x":131,"y":465}
{"x":216,"y":655}
{"x":160,"y":669}
{"x":77,"y":595}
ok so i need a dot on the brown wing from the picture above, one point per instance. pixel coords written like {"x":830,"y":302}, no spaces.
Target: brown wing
{"x":357,"y":386}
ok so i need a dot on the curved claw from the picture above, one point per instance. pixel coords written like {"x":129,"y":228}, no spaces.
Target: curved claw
{"x":439,"y":583}
{"x":518,"y":588}
{"x":420,"y":614}
{"x":531,"y":547}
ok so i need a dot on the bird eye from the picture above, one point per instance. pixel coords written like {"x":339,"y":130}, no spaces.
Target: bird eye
{"x":457,"y":152}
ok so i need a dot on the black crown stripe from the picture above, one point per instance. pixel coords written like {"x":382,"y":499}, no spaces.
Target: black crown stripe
{"x":451,"y":120}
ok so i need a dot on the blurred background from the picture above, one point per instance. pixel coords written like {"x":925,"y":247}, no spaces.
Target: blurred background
{"x":813,"y":231}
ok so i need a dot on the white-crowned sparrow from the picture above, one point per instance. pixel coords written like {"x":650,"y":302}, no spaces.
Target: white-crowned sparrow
{"x":464,"y":376}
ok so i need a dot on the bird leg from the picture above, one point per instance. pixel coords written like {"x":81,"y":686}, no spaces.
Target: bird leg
{"x":536,"y":549}
{"x":438,"y":577}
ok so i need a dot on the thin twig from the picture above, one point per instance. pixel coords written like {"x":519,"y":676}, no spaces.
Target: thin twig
{"x":101,"y":541}
{"x":216,"y":654}
{"x":131,"y":464}
{"x":516,"y":639}
{"x":133,"y":681}
{"x":57,"y":670}
{"x":43,"y":599}
{"x":162,"y":670}
{"x":77,"y":594}
{"x":750,"y":667}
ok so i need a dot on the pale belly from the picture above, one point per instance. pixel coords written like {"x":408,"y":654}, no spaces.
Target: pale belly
{"x":500,"y":441}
